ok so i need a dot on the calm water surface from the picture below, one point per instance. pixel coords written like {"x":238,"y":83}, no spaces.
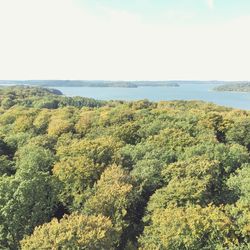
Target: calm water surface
{"x":202,"y":92}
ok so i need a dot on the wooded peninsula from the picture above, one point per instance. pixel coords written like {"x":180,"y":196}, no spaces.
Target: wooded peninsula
{"x":237,"y":87}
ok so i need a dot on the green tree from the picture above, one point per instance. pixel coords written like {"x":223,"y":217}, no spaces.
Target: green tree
{"x":29,"y":198}
{"x":112,"y":196}
{"x":77,"y":174}
{"x":194,"y":181}
{"x":240,"y":132}
{"x":34,"y":158}
{"x":128,"y":133}
{"x":6,"y":166}
{"x":24,"y":204}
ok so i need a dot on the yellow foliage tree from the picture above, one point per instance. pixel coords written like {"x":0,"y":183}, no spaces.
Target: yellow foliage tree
{"x":189,"y":228}
{"x":72,"y":232}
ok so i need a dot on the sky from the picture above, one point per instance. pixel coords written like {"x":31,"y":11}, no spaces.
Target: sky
{"x":125,"y":39}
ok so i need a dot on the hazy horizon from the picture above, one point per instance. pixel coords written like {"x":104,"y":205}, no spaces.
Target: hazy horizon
{"x":128,"y":80}
{"x":125,"y":40}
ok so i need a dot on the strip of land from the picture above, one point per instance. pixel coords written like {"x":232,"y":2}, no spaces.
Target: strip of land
{"x":234,"y":87}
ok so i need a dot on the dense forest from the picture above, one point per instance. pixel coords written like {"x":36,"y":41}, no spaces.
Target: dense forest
{"x":78,"y":173}
{"x":238,"y":87}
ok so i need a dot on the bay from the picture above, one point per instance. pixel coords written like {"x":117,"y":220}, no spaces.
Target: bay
{"x":185,"y":91}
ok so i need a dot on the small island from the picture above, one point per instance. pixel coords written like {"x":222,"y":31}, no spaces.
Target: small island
{"x":234,"y":87}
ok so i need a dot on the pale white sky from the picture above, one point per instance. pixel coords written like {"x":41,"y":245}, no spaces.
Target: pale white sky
{"x":73,"y":39}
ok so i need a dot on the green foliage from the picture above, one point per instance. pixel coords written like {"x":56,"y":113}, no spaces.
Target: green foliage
{"x":147,"y":173}
{"x":42,"y":98}
{"x":6,"y":166}
{"x":29,"y":198}
{"x":240,"y":183}
{"x":17,"y":140}
{"x":230,"y":156}
{"x":77,"y":174}
{"x":193,"y":181}
{"x":240,"y":132}
{"x":111,"y":196}
{"x":25,"y":202}
{"x":34,"y":158}
{"x":128,"y":133}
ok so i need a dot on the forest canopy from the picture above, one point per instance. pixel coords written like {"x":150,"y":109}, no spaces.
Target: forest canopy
{"x":79,"y":173}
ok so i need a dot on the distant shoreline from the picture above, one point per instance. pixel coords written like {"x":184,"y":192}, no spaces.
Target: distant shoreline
{"x":85,"y":83}
{"x":108,"y":83}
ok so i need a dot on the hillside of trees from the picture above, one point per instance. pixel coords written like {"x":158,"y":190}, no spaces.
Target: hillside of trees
{"x":237,"y":87}
{"x":38,"y":97}
{"x":78,"y":173}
